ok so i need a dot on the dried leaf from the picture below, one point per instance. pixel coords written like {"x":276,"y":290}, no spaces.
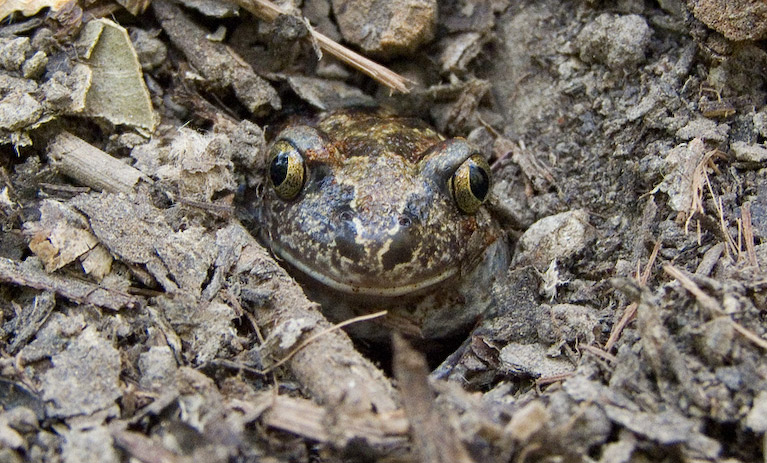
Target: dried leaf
{"x":117,"y":92}
{"x":60,"y":236}
{"x":28,"y":7}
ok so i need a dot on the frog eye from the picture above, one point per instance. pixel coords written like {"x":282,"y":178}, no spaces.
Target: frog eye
{"x":470,"y":184}
{"x":286,"y":170}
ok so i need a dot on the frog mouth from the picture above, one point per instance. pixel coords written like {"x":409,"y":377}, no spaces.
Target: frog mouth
{"x":358,"y":289}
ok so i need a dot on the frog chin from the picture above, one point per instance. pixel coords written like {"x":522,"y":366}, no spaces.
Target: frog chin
{"x":403,"y":289}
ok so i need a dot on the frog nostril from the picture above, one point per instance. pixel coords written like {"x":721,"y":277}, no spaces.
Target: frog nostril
{"x":346,"y":215}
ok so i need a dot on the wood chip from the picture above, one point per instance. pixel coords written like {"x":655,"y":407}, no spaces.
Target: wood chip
{"x":336,"y":426}
{"x":435,"y":441}
{"x":90,"y":166}
{"x":25,"y":274}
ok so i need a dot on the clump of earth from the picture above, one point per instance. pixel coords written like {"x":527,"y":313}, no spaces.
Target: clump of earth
{"x":140,"y":320}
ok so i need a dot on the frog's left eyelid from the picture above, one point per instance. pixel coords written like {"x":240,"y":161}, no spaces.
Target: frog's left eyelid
{"x":445,"y":157}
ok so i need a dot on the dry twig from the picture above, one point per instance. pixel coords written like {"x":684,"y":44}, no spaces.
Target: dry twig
{"x":599,"y":353}
{"x":700,"y":175}
{"x":733,"y":248}
{"x":748,"y":235}
{"x":92,"y":167}
{"x":78,"y":291}
{"x":546,"y":380}
{"x":631,"y":309}
{"x":711,"y":304}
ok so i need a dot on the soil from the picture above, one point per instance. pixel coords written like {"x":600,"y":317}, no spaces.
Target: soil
{"x":140,"y":320}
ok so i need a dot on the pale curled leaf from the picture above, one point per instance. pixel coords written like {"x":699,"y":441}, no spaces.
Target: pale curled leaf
{"x":28,"y":7}
{"x":117,"y":93}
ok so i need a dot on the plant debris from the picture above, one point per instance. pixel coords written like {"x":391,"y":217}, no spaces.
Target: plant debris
{"x":141,"y":320}
{"x":117,"y":92}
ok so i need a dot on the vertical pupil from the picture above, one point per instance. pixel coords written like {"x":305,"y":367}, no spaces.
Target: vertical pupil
{"x":278,"y":171}
{"x":479,"y":182}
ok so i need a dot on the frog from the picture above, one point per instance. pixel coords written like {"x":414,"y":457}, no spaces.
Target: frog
{"x":374,"y":212}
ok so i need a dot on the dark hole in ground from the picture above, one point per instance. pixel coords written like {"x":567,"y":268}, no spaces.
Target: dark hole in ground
{"x":744,"y":444}
{"x":435,"y":351}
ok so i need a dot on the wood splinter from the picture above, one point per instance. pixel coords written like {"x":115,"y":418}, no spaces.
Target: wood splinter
{"x":92,"y":167}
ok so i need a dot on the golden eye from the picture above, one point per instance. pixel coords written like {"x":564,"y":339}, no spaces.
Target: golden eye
{"x":286,"y":170}
{"x":470,"y":184}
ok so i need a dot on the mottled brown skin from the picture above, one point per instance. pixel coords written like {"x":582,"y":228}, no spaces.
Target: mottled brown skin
{"x":376,"y":227}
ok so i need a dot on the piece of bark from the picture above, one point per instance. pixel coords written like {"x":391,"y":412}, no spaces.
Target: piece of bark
{"x":117,"y":92}
{"x":90,"y":166}
{"x":307,"y":419}
{"x":144,"y":448}
{"x":329,"y":367}
{"x":435,"y":441}
{"x":216,"y":62}
{"x":22,"y":273}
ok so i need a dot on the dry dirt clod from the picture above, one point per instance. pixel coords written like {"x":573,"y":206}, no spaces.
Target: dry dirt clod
{"x":89,"y":362}
{"x":556,"y":237}
{"x":13,"y":52}
{"x":756,"y":153}
{"x":617,"y":41}
{"x":18,"y":111}
{"x":735,"y":19}
{"x":533,"y":360}
{"x":386,"y":29}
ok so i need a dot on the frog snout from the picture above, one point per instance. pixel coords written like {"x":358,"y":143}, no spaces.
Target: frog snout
{"x":390,"y":238}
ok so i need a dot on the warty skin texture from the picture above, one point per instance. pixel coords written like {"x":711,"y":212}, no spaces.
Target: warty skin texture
{"x":376,"y":227}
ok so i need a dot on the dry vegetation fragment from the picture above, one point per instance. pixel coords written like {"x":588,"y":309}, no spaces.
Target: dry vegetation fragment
{"x":141,"y":321}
